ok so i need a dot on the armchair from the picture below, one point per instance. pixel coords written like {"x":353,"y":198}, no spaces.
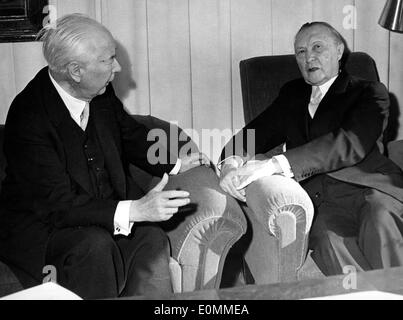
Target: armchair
{"x":262,"y":77}
{"x":268,"y":257}
{"x":200,"y":236}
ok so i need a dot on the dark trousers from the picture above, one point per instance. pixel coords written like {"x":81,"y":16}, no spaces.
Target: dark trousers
{"x":354,"y":226}
{"x":94,"y":264}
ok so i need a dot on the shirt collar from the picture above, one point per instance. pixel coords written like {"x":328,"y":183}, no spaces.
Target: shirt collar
{"x":74,"y":105}
{"x":324,"y":88}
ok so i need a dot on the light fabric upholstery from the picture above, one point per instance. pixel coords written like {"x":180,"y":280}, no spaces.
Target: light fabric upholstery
{"x":200,"y":242}
{"x":281,"y":213}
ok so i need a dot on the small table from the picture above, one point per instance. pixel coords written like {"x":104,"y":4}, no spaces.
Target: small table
{"x":387,"y":280}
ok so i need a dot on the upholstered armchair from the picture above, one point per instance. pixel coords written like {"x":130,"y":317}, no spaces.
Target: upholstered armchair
{"x":200,"y":235}
{"x":283,"y":255}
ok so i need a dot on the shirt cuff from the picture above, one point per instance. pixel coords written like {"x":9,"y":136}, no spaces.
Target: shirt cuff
{"x":121,"y":221}
{"x":175,"y":170}
{"x":284,"y":165}
{"x":266,"y":170}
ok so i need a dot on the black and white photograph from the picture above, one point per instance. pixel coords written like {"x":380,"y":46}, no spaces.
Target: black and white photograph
{"x":218,"y":152}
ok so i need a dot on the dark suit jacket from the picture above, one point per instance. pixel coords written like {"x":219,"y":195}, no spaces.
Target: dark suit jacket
{"x":48,"y":184}
{"x":343,"y":140}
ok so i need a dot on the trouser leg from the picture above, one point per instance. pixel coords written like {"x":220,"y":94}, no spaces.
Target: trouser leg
{"x":87,"y":261}
{"x":146,"y":255}
{"x":356,"y":227}
{"x":334,"y":246}
{"x":92,"y":263}
{"x":381,"y":230}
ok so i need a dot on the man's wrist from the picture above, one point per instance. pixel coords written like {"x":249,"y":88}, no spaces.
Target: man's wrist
{"x":226,"y":168}
{"x":276,"y":166}
{"x":232,"y":162}
{"x":134,"y":212}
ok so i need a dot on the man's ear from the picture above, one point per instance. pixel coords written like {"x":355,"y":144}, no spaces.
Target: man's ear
{"x":340,"y":50}
{"x":74,"y":70}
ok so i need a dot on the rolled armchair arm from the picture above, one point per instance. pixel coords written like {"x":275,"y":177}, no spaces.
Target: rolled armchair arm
{"x":281,"y":215}
{"x":280,"y":204}
{"x":202,"y":233}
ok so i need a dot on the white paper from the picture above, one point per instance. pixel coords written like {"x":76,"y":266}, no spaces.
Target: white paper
{"x":362,"y":295}
{"x":45,"y":291}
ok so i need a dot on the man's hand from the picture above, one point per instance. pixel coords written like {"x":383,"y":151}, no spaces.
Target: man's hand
{"x":229,"y":182}
{"x":194,"y":160}
{"x":256,"y":169}
{"x":158,"y":205}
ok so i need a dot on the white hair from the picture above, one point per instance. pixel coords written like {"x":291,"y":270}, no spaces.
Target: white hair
{"x":62,"y":41}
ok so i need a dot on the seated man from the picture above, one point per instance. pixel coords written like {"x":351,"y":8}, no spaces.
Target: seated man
{"x":332,"y":126}
{"x":68,"y":200}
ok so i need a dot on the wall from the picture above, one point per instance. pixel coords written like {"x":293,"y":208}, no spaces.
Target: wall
{"x":181,"y":57}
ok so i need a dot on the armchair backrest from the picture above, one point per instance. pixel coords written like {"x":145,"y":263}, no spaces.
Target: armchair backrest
{"x":262,"y":78}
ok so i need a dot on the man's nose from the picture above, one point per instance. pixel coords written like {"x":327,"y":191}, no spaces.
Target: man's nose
{"x":310,"y":56}
{"x":116,"y":66}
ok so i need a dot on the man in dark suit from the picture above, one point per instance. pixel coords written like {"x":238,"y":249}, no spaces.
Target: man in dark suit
{"x":332,"y":126}
{"x":67,"y":200}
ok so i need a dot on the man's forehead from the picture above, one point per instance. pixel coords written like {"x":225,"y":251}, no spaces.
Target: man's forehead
{"x":98,"y":47}
{"x":100,"y":40}
{"x":312,"y":34}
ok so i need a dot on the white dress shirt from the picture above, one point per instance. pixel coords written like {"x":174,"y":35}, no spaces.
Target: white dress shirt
{"x":122,"y":224}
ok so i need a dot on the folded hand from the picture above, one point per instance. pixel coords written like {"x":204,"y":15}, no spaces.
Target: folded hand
{"x":229,"y":182}
{"x":253,"y":170}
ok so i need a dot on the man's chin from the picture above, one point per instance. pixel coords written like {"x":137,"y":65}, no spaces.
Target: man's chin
{"x":314,"y":81}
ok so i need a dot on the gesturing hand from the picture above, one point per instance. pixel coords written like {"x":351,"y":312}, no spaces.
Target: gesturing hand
{"x":193,"y":160}
{"x":158,"y":205}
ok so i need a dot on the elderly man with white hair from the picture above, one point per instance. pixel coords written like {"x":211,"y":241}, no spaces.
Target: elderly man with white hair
{"x":67,"y":199}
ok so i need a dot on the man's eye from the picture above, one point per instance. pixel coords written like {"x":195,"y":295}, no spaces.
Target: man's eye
{"x":300,"y":51}
{"x":317,"y":46}
{"x":109,"y":60}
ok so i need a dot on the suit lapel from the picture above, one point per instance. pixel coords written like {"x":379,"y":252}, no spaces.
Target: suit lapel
{"x":331,"y":108}
{"x":69,"y":133}
{"x":300,"y":105}
{"x":100,"y":111}
{"x":339,"y":86}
